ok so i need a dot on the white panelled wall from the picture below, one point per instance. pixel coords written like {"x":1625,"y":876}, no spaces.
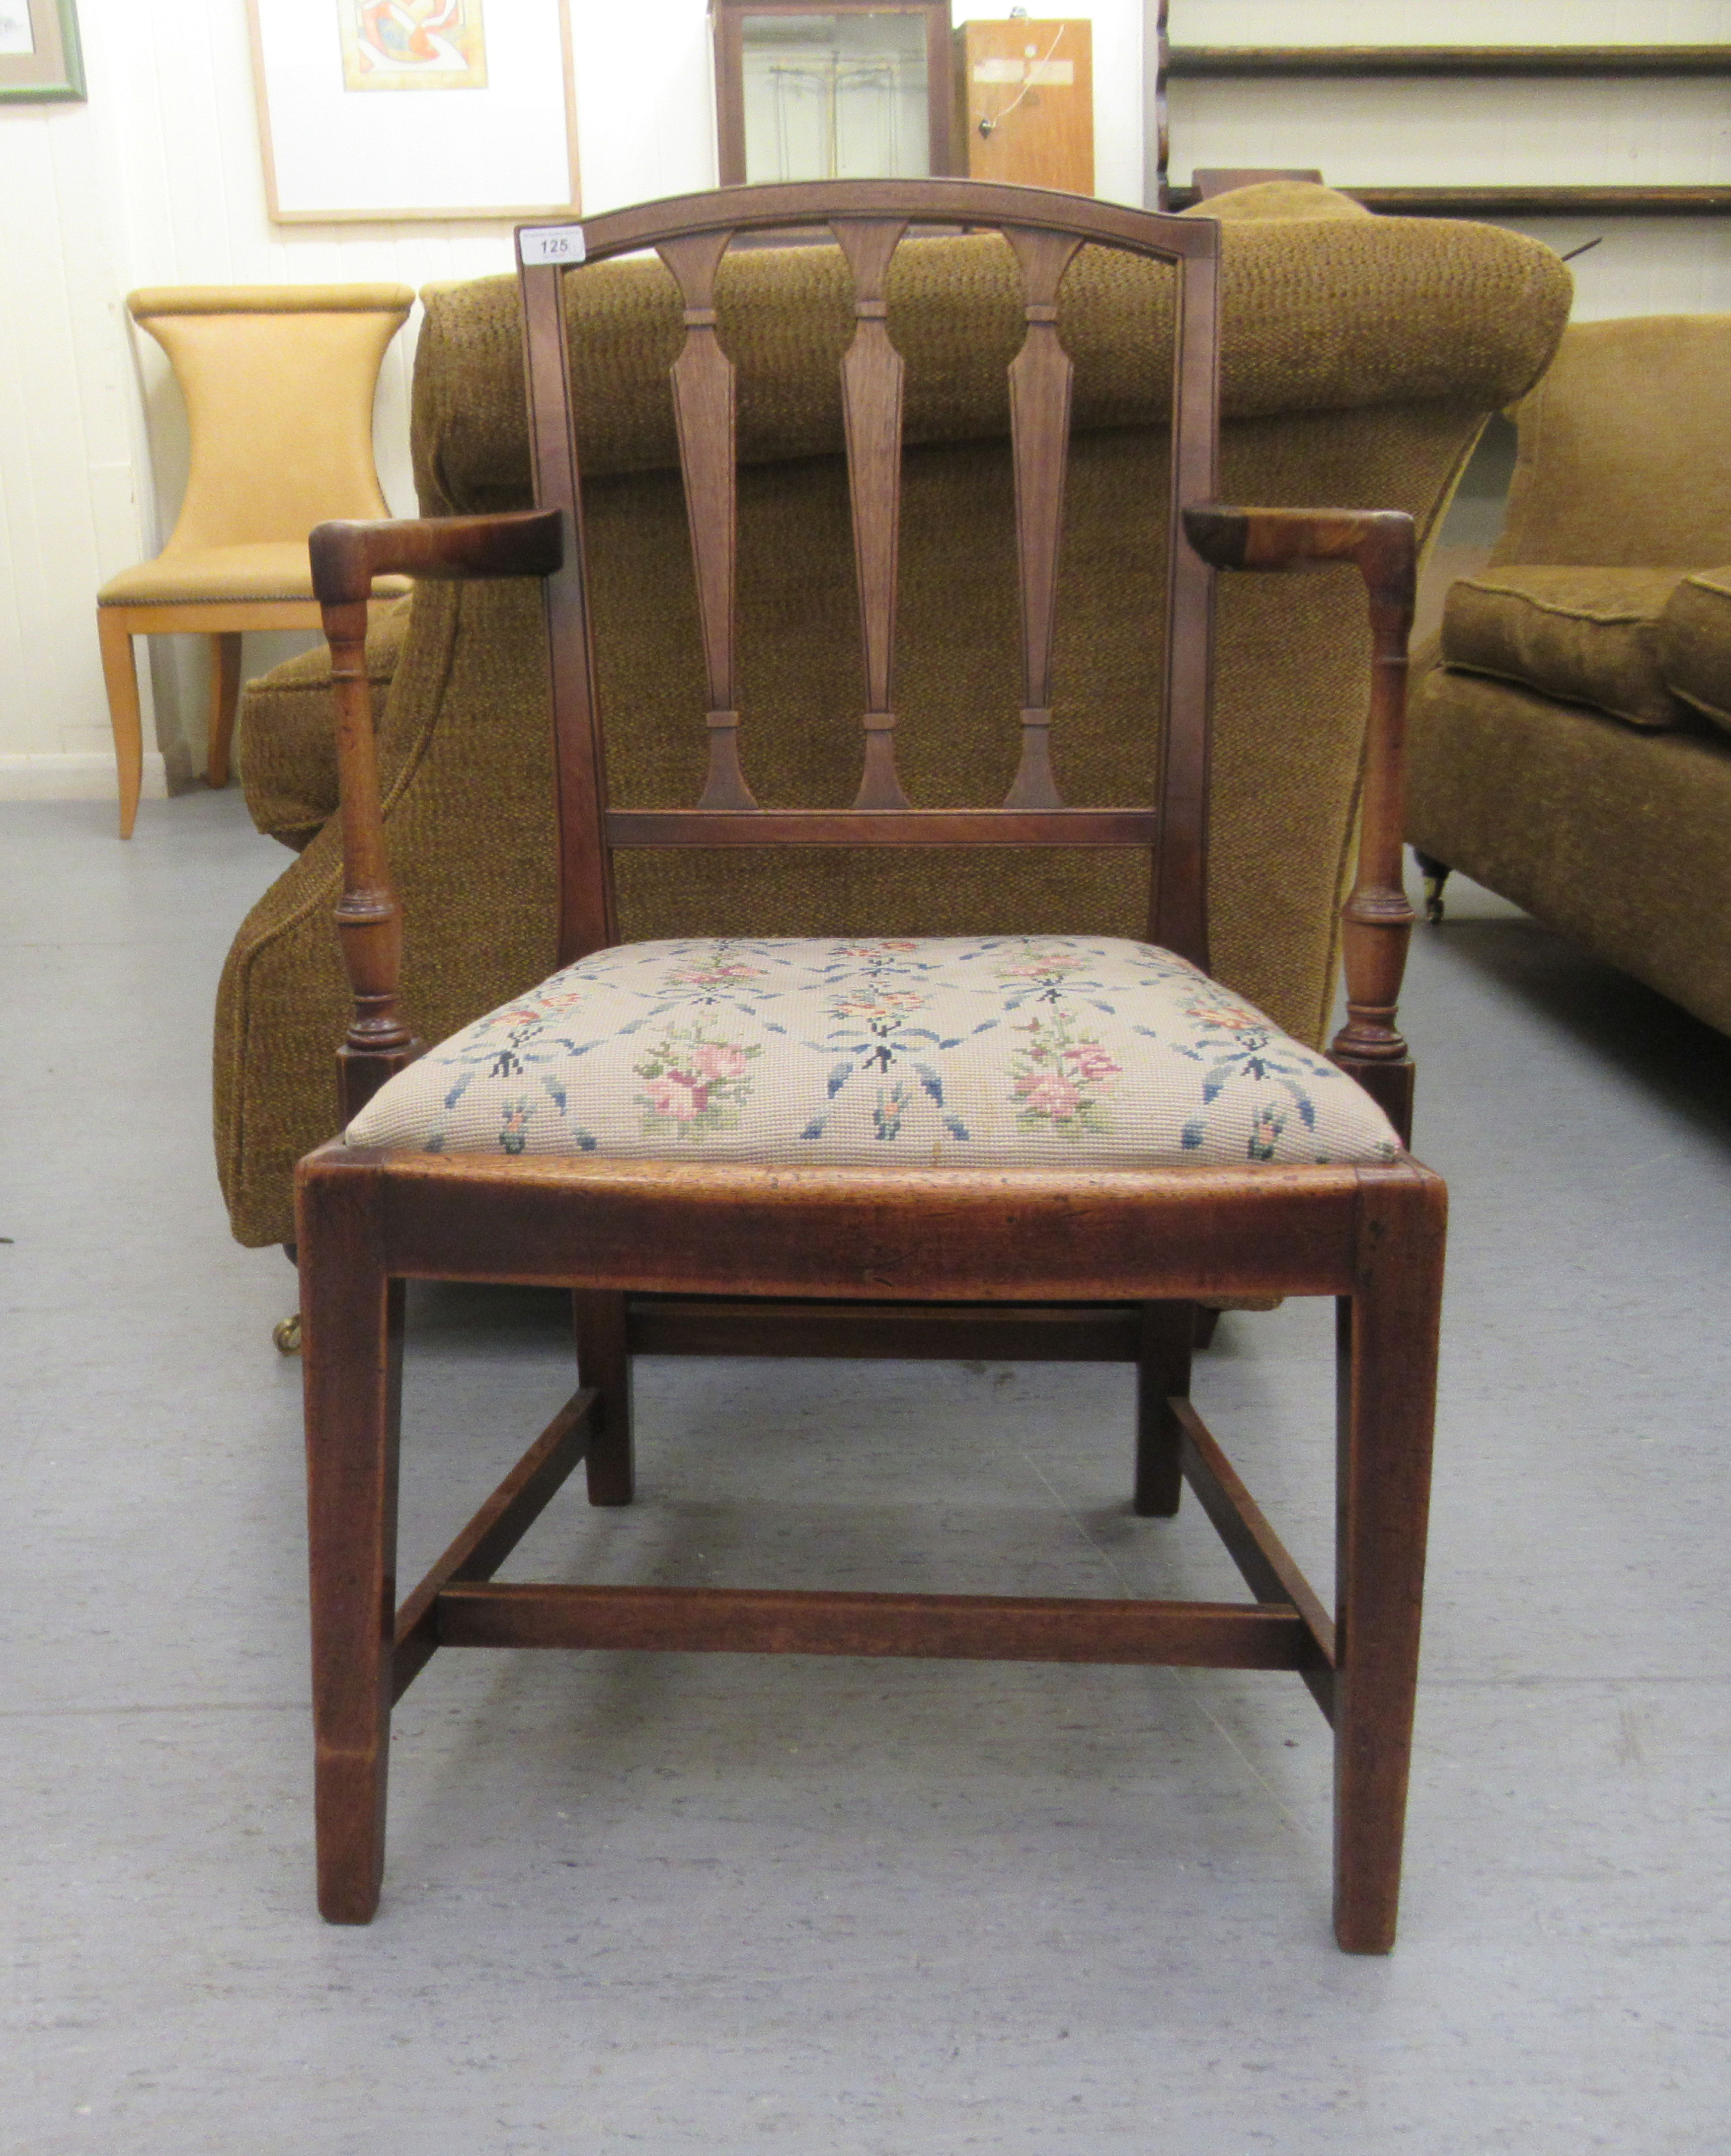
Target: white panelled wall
{"x":156,"y":180}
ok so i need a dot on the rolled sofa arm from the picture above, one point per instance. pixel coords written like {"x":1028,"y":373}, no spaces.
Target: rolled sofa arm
{"x":345,"y":558}
{"x":1377,"y":920}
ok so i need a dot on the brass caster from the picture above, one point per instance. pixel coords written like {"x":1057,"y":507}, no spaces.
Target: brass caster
{"x":1435,"y":874}
{"x":287,"y":1336}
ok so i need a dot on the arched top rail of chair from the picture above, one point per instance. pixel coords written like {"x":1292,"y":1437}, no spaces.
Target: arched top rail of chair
{"x":793,"y":204}
{"x":154,"y":299}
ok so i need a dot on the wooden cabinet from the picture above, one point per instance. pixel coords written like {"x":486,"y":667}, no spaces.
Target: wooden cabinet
{"x":1025,"y":102}
{"x":857,"y":90}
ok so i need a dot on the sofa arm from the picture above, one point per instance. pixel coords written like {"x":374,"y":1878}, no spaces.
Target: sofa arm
{"x":1695,"y":643}
{"x":288,"y":732}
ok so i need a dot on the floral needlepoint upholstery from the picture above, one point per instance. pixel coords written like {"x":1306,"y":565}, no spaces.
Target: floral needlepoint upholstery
{"x":989,"y":1051}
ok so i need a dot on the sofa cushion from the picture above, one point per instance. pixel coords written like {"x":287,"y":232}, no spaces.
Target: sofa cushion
{"x":948,"y":1051}
{"x":1695,"y":643}
{"x":1584,"y":635}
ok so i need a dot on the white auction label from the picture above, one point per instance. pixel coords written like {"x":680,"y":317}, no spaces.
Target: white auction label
{"x":1050,"y":74}
{"x":551,"y":243}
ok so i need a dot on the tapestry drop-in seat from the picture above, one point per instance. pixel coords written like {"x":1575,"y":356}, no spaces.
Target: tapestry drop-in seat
{"x":1045,"y":1143}
{"x":959,"y":1051}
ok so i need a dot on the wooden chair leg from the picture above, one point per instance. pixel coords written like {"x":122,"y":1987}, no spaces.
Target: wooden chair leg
{"x":120,"y":678}
{"x":1162,"y":1369}
{"x":603,"y":1360}
{"x":1387,"y":1337}
{"x":224,"y":701}
{"x":352,"y":1317}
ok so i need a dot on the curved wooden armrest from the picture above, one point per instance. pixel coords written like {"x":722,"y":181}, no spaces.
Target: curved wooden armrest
{"x":348,"y":556}
{"x":1376,"y":921}
{"x":1380,"y":541}
{"x":345,"y":558}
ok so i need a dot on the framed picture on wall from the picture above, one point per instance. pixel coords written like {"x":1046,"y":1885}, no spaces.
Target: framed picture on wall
{"x":40,"y":63}
{"x":376,"y":110}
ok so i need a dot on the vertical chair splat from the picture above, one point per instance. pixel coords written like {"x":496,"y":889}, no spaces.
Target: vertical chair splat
{"x":704,"y":412}
{"x":871,"y":409}
{"x":1040,"y":379}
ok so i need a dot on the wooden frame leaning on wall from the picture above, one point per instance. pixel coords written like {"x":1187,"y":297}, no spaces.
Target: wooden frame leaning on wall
{"x":41,"y":61}
{"x":338,"y":150}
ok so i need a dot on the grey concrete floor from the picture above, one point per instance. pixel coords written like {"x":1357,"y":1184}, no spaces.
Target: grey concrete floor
{"x":688,"y":1904}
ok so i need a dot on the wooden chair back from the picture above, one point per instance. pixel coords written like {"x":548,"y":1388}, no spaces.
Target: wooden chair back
{"x":867,"y":220}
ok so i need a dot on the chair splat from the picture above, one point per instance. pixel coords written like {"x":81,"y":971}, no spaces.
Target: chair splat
{"x":871,"y":409}
{"x":704,"y":410}
{"x":1040,"y":379}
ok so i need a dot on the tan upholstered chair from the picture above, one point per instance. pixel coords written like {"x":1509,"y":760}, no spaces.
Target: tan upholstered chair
{"x":278,"y":382}
{"x":1570,"y":733}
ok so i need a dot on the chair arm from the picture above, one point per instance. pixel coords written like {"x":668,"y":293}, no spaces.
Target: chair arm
{"x":1377,"y":920}
{"x":345,"y":558}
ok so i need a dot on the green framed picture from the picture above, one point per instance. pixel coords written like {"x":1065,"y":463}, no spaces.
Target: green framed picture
{"x":40,"y":63}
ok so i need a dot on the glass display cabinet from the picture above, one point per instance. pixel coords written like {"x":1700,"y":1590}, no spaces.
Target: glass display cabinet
{"x":860,"y":89}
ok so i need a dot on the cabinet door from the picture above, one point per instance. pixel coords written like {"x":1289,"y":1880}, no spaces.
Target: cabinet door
{"x":1027,"y":103}
{"x":856,"y":91}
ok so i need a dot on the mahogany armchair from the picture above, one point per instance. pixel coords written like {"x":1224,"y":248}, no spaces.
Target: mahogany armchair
{"x":856,"y":1143}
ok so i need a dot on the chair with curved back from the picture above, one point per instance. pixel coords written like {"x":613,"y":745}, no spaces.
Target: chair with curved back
{"x":873,"y":1136}
{"x":278,"y":382}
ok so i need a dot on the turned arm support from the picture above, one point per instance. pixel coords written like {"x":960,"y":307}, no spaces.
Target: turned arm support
{"x":1376,"y":921}
{"x":345,"y":558}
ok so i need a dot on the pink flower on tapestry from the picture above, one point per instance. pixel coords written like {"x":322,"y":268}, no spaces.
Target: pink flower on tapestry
{"x":878,"y":1003}
{"x":721,"y":973}
{"x":678,"y":1095}
{"x":694,"y":1085}
{"x":1041,"y":965}
{"x":717,"y":1059}
{"x":1229,"y":1015}
{"x":1046,"y":1094}
{"x":1089,"y":1061}
{"x":1062,"y":1083}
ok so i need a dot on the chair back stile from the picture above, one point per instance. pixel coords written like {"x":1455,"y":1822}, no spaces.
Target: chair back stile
{"x":586,"y":920}
{"x":868,"y":220}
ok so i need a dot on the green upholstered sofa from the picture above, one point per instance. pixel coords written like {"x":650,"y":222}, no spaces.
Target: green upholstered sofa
{"x":1362,"y":357}
{"x":1570,"y":738}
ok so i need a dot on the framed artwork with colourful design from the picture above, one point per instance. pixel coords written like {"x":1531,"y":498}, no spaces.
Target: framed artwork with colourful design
{"x":379,"y":110}
{"x":40,"y":63}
